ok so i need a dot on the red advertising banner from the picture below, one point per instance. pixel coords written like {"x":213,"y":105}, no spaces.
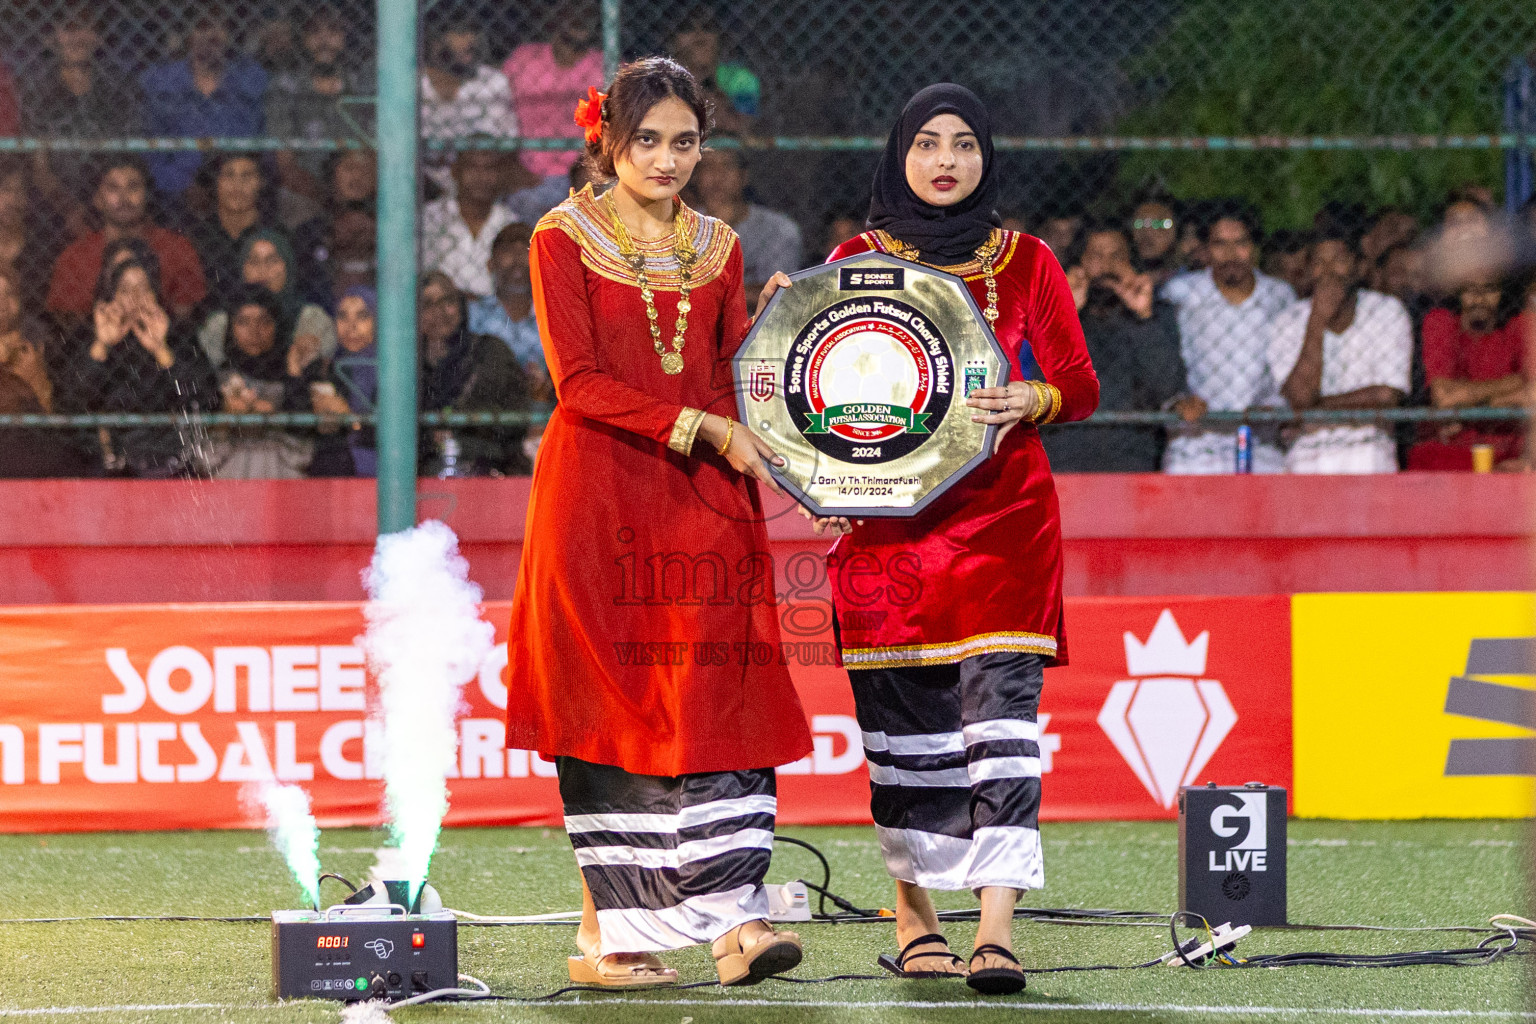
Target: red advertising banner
{"x":155,"y":716}
{"x":1163,"y":693}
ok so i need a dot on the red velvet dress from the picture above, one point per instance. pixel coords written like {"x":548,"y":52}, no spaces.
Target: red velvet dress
{"x":986,"y":555}
{"x":646,"y":584}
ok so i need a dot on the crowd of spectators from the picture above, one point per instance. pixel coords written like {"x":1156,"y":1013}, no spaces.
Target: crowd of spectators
{"x":1181,"y":318}
{"x":242,"y":282}
{"x":232,"y":312}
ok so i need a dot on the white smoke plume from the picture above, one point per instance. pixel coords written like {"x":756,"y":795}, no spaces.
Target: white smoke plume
{"x":374,"y":1011}
{"x":292,"y":828}
{"x":388,"y":865}
{"x":425,"y":640}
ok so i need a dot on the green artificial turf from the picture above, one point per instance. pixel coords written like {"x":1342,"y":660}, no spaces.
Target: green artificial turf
{"x":1407,"y":874}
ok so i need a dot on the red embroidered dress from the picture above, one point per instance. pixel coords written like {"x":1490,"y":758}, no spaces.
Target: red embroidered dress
{"x":646,"y":585}
{"x":987,"y":554}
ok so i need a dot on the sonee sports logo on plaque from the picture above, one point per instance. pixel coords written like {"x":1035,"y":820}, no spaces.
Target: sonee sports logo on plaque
{"x":858,"y":374}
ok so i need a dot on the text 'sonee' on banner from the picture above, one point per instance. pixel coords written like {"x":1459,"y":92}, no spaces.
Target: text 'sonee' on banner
{"x":1414,"y":705}
{"x":154,"y":717}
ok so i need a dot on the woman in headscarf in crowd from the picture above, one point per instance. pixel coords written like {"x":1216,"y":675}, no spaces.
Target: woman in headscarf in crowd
{"x":337,"y":248}
{"x":666,"y":766}
{"x":947,"y":684}
{"x":131,"y":356}
{"x":244,"y":196}
{"x":466,"y":372}
{"x":266,"y":369}
{"x":26,"y":387}
{"x":267,"y":260}
{"x":351,"y":386}
{"x":123,"y":250}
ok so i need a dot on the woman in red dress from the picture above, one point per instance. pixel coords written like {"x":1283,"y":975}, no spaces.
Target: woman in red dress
{"x":646,"y":583}
{"x":947,"y":684}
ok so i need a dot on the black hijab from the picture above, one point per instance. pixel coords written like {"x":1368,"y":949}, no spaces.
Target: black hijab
{"x":445,"y":383}
{"x":942,"y":234}
{"x":273,"y":363}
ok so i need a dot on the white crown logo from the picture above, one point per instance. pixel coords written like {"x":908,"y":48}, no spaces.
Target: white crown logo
{"x":1168,"y":722}
{"x":1166,"y":652}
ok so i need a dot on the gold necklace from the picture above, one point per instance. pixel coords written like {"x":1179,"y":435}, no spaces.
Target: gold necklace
{"x":986,"y":255}
{"x":671,"y":362}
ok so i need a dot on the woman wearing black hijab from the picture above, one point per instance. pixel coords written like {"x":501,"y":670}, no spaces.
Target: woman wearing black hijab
{"x":266,"y":369}
{"x":947,"y":681}
{"x":465,"y":372}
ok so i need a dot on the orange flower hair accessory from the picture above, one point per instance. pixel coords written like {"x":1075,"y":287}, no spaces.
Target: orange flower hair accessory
{"x":589,"y":113}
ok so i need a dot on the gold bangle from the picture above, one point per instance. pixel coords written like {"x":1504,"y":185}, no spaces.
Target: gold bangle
{"x":1042,"y":401}
{"x":726,"y":444}
{"x":1055,"y":402}
{"x":1051,"y":404}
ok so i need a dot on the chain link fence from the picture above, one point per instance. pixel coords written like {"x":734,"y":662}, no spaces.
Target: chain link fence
{"x":187,"y":214}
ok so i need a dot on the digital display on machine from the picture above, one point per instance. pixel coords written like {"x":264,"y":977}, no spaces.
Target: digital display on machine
{"x":317,"y":957}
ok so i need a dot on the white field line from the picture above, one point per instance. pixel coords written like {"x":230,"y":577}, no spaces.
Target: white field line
{"x":69,"y":1011}
{"x":889,"y":1004}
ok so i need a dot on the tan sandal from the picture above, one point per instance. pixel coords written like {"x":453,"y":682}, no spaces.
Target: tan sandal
{"x":637,"y":975}
{"x":773,"y":953}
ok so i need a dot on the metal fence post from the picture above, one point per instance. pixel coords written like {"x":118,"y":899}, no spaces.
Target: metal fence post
{"x":397,"y":140}
{"x":611,"y":12}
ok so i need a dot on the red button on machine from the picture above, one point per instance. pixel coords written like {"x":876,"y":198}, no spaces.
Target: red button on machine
{"x":418,"y":940}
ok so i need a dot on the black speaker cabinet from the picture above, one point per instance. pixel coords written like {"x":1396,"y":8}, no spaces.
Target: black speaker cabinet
{"x":1232,"y":853}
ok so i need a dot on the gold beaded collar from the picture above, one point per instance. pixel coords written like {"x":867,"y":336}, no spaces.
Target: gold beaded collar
{"x":585,"y":219}
{"x":1000,"y":244}
{"x":985,"y":261}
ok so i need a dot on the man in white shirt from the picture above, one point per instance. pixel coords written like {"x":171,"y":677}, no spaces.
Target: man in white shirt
{"x":458,"y":229}
{"x":461,"y":94}
{"x":1344,"y":348}
{"x":1224,"y":315}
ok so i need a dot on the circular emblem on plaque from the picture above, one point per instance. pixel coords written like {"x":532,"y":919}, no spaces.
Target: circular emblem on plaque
{"x":871,"y":382}
{"x":858,"y":374}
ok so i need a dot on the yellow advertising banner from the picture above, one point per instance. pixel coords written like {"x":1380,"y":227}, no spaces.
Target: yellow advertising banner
{"x":1414,"y":705}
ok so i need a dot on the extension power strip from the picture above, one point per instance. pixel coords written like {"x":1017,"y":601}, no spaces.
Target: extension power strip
{"x":788,"y":902}
{"x":1223,"y":938}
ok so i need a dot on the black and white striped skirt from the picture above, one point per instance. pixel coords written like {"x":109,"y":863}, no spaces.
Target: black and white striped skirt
{"x":954,"y":770}
{"x":670,"y":861}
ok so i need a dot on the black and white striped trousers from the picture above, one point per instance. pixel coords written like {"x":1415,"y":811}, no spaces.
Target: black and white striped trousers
{"x":954,"y":769}
{"x":670,"y":861}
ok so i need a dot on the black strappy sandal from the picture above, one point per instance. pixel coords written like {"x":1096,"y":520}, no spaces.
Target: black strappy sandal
{"x":996,"y":981}
{"x":897,"y":965}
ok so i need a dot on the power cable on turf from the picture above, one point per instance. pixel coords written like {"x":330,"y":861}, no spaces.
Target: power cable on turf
{"x":1509,"y":929}
{"x":1214,"y":953}
{"x":1213,"y":950}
